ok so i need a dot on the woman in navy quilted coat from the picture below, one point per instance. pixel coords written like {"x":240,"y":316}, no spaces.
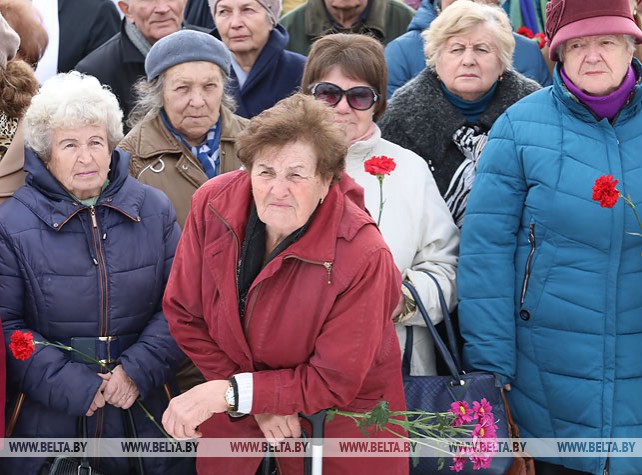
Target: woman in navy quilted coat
{"x":550,"y":281}
{"x":85,"y":252}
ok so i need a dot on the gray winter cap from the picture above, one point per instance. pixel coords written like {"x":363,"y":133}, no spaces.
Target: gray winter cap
{"x":186,"y":46}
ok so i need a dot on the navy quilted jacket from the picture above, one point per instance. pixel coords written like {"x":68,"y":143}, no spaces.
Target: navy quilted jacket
{"x":275,"y":75}
{"x":550,"y":282}
{"x":62,"y":277}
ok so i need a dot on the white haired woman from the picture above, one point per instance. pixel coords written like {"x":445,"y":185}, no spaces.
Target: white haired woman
{"x":548,"y":279}
{"x":444,"y":114}
{"x":85,"y":252}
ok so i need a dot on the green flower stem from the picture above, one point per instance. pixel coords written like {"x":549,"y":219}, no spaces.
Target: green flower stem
{"x":628,"y":201}
{"x":105,"y":367}
{"x":426,"y":425}
{"x":380,"y":178}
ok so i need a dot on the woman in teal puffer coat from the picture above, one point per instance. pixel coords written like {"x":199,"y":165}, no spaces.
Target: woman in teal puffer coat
{"x":549,"y":281}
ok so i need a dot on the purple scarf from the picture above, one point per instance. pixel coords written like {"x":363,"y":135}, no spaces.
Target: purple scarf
{"x":604,"y":106}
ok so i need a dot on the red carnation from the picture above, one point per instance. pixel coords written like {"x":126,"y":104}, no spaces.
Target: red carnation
{"x":380,"y":165}
{"x":525,"y":31}
{"x":22,"y":345}
{"x":541,"y":39}
{"x":605,"y":192}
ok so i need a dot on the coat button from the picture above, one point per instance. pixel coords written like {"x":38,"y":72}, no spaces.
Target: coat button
{"x":185,"y":167}
{"x":524,"y":315}
{"x":55,"y":225}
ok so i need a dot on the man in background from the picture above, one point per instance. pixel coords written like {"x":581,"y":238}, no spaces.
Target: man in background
{"x":383,"y":19}
{"x":120,"y":62}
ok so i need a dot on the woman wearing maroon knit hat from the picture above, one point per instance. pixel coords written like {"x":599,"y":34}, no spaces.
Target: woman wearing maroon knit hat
{"x":549,"y":281}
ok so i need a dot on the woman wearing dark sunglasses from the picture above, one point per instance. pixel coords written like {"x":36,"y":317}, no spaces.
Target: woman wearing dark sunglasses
{"x":444,"y":114}
{"x":349,"y":73}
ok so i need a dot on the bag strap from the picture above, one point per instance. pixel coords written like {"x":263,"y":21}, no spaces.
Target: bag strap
{"x":441,"y":347}
{"x":84,"y":467}
{"x":513,"y":429}
{"x":136,"y":463}
{"x":448,"y":322}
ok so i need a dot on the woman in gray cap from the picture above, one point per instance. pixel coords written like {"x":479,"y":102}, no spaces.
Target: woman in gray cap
{"x":187,"y":130}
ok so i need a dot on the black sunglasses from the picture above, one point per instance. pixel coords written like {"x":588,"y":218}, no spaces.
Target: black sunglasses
{"x":360,"y":98}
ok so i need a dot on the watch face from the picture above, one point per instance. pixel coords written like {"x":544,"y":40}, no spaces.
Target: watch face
{"x":229,"y":396}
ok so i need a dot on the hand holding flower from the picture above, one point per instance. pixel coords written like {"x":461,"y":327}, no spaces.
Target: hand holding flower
{"x":187,"y":411}
{"x":23,"y":345}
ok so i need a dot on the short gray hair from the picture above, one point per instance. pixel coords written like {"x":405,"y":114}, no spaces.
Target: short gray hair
{"x":630,"y":45}
{"x":67,"y":101}
{"x":149,"y":97}
{"x":460,"y":18}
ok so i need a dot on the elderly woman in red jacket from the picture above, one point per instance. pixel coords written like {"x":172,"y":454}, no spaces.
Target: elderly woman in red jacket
{"x":282,"y":293}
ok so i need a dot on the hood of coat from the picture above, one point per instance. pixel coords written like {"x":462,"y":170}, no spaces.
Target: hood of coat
{"x":426,"y":13}
{"x":48,"y":200}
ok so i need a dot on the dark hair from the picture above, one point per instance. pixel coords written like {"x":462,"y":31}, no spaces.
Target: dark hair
{"x":359,"y":57}
{"x":25,"y":20}
{"x":18,"y":85}
{"x":296,"y":118}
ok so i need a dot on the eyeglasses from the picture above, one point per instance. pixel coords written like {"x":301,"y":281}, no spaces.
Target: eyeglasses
{"x":360,"y":98}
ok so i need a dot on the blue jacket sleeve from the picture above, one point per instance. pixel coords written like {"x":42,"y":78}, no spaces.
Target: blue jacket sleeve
{"x":153,"y":358}
{"x":486,"y":274}
{"x":48,"y":376}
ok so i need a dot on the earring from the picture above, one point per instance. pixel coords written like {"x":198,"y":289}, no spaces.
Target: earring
{"x":321,"y":202}
{"x":501,"y":78}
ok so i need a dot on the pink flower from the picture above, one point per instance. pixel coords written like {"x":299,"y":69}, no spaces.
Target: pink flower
{"x":463,"y":413}
{"x":481,"y":462}
{"x":485,"y":429}
{"x":482,"y":410}
{"x":458,"y":463}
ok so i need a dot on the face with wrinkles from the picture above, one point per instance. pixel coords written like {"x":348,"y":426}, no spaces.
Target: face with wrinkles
{"x":597,"y":64}
{"x":155,"y":19}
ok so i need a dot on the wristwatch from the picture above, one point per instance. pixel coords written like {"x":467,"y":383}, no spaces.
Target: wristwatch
{"x":231,"y":396}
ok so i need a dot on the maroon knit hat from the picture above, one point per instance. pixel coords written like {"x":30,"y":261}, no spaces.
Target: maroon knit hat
{"x":567,"y":19}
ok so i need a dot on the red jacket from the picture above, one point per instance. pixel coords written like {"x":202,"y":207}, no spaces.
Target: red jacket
{"x":317,"y":331}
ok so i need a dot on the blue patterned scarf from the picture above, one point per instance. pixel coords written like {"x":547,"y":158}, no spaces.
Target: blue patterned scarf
{"x":207,"y":153}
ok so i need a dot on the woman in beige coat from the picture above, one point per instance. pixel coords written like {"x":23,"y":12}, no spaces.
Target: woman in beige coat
{"x":187,"y":132}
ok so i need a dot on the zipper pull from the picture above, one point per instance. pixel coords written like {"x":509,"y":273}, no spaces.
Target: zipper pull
{"x":328,"y":267}
{"x":92,"y":211}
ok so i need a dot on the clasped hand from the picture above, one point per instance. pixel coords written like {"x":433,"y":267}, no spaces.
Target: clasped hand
{"x":117,"y":389}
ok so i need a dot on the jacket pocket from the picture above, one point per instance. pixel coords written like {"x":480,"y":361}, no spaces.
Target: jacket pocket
{"x":529,"y":263}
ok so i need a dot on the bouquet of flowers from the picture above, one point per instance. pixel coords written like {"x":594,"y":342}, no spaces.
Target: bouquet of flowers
{"x":459,"y":422}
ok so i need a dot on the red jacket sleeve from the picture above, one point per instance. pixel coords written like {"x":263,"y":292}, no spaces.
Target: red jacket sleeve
{"x":183,"y":304}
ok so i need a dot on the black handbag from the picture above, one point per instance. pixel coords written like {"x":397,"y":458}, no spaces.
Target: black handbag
{"x":437,"y":393}
{"x":72,"y":465}
{"x":81,"y":465}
